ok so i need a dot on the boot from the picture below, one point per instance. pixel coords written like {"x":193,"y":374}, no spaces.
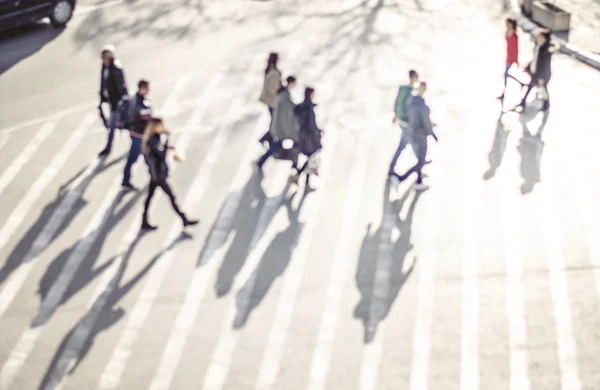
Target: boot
{"x":188,"y":222}
{"x":146,"y":226}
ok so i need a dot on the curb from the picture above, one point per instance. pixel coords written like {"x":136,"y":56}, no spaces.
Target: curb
{"x":569,"y":49}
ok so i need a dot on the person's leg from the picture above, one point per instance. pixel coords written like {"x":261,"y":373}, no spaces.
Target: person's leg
{"x":505,"y":80}
{"x":111,"y":123}
{"x":421,"y":155}
{"x":274,"y":147}
{"x":401,"y":147}
{"x":529,"y":88}
{"x":267,"y":136}
{"x":151,"y":189}
{"x":167,"y":189}
{"x":134,"y":153}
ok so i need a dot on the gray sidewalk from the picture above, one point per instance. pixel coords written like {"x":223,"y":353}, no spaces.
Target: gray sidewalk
{"x":582,"y":41}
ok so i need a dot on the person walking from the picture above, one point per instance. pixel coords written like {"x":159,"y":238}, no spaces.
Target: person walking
{"x":404,"y":94}
{"x":268,"y":96}
{"x":283,"y":126}
{"x":309,"y":134}
{"x":155,"y":155}
{"x":541,"y":65}
{"x":141,"y":112}
{"x":512,"y":50}
{"x":419,"y":128}
{"x":113,"y":89}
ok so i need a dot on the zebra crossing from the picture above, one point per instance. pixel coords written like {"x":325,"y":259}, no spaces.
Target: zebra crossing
{"x":363,"y":284}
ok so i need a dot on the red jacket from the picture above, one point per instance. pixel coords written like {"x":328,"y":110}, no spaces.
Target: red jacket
{"x":512,"y":48}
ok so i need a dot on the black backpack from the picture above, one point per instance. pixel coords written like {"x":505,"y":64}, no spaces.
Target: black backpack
{"x":126,"y":112}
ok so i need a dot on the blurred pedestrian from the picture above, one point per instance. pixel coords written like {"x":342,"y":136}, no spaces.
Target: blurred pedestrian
{"x":419,"y":128}
{"x":309,"y":134}
{"x":540,"y":67}
{"x":512,"y":50}
{"x":404,"y":94}
{"x":284,"y":126}
{"x":141,"y":109}
{"x":271,"y":85}
{"x":155,"y":154}
{"x":113,"y":89}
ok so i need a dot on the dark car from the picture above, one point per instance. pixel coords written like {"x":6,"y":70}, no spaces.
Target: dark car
{"x":15,"y":13}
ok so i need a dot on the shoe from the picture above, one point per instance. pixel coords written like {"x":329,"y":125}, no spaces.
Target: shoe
{"x":104,"y":153}
{"x":420,"y":187}
{"x":189,"y":222}
{"x":501,"y":97}
{"x":128,"y":186}
{"x":147,"y":226}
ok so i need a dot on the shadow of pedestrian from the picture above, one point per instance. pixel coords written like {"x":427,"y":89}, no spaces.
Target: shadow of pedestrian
{"x":25,"y":251}
{"x":498,"y":148}
{"x":531,"y":148}
{"x":273,"y":264}
{"x":379,"y":284}
{"x":78,"y":342}
{"x":24,"y":41}
{"x":51,"y":290}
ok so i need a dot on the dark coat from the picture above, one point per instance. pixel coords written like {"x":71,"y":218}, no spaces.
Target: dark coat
{"x":141,"y":112}
{"x":310,"y":134}
{"x":544,"y":63}
{"x":114,"y":84}
{"x":156,"y":159}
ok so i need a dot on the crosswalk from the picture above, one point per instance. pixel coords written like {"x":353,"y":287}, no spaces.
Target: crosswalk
{"x":363,"y":284}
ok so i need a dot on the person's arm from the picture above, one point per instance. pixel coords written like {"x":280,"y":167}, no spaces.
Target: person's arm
{"x":121,"y":81}
{"x":425,"y":114}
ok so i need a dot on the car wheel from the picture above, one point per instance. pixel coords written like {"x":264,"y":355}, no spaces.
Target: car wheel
{"x":61,"y":13}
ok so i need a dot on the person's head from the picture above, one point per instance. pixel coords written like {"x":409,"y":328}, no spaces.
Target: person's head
{"x":413,"y":76}
{"x":543,"y":37}
{"x":272,"y":62}
{"x":290,"y":82}
{"x":108,"y":55}
{"x":309,"y":94}
{"x":421,"y":88}
{"x":511,"y":24}
{"x":154,"y":126}
{"x":143,"y":87}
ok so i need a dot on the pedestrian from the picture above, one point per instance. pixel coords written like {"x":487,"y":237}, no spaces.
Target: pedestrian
{"x":155,"y":154}
{"x":271,"y":85}
{"x":404,"y":94}
{"x":309,"y":134}
{"x":540,"y":67}
{"x":113,"y":89}
{"x":141,"y":112}
{"x":283,"y":126}
{"x":512,"y":50}
{"x":419,"y":128}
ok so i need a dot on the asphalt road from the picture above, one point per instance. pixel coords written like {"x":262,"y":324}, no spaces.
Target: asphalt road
{"x":488,"y":280}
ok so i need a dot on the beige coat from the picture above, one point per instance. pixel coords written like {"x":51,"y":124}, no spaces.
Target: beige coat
{"x":270,"y":88}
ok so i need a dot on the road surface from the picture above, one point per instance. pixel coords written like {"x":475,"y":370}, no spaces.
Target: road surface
{"x":488,"y":280}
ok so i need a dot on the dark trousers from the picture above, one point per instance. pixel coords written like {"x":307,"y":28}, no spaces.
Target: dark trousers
{"x":112,"y":119}
{"x":506,"y":76}
{"x":134,"y":153}
{"x":401,"y":147}
{"x":532,"y":83}
{"x":420,"y":148}
{"x":167,"y":190}
{"x":267,"y":136}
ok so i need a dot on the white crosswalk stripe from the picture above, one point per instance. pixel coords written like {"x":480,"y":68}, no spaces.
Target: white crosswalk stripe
{"x":120,"y":355}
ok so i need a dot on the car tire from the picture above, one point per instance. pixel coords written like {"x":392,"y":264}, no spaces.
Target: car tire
{"x":61,"y":13}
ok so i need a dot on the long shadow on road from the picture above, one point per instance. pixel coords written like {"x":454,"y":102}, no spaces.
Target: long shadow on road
{"x":25,"y":251}
{"x":372,"y":309}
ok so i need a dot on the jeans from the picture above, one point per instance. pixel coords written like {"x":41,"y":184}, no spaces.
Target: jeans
{"x":267,"y":136}
{"x":274,"y":147}
{"x":532,"y":84}
{"x":401,"y":146}
{"x":111,"y":123}
{"x":134,"y":153}
{"x":506,"y":76}
{"x":167,"y":190}
{"x":420,"y":148}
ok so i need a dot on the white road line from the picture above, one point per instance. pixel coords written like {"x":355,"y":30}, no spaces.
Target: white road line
{"x":3,"y":140}
{"x":515,"y":298}
{"x":24,"y":156}
{"x":271,"y":360}
{"x":204,"y":272}
{"x":589,"y":212}
{"x":567,"y":348}
{"x":27,"y":341}
{"x":469,"y":365}
{"x":326,"y":337}
{"x":117,"y":364}
{"x":18,"y":214}
{"x":263,"y":235}
{"x":421,"y":349}
{"x":48,"y":118}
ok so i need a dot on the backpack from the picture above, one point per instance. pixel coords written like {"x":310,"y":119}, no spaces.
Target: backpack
{"x":404,"y":92}
{"x":126,"y":112}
